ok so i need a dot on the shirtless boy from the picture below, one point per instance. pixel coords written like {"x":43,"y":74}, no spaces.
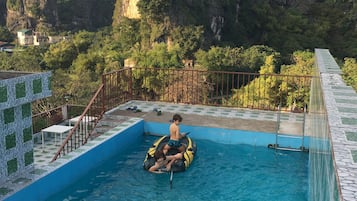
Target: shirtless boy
{"x":175,"y":135}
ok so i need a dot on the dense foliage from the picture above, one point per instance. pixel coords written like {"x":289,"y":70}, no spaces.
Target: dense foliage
{"x":269,"y":39}
{"x":5,"y":34}
{"x":349,"y":69}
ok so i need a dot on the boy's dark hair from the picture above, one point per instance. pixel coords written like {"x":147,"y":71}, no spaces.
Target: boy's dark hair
{"x":177,"y":117}
{"x":159,"y":154}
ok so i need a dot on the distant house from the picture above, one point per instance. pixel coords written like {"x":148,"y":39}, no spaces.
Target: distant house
{"x":29,"y":37}
{"x":39,"y":39}
{"x":25,"y":37}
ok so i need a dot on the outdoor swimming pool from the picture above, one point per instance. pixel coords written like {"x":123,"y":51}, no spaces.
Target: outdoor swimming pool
{"x":218,"y":172}
{"x":230,"y":164}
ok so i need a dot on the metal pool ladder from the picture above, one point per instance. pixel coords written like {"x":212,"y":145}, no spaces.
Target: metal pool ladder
{"x":279,"y":136}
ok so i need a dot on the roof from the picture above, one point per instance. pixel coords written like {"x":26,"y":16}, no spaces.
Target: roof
{"x":25,"y":31}
{"x":12,"y":74}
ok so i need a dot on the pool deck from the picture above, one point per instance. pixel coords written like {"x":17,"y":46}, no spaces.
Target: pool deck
{"x":220,"y":117}
{"x":210,"y":116}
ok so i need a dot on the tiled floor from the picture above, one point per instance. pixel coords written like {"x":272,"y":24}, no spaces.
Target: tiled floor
{"x":290,"y":123}
{"x":213,"y":111}
{"x":42,"y":157}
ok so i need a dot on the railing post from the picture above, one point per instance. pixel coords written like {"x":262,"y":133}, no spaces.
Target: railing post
{"x":130,"y":83}
{"x":277,"y":126}
{"x":103,"y":93}
{"x":303,"y":129}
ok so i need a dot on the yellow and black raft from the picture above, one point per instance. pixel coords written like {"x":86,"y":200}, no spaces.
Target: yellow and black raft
{"x":179,"y":165}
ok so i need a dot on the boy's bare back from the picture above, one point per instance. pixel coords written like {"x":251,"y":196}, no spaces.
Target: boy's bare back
{"x":174,"y":132}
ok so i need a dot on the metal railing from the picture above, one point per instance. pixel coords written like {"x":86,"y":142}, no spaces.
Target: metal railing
{"x":84,"y":126}
{"x":215,"y":88}
{"x":46,"y":119}
{"x":55,"y":116}
{"x":230,"y":89}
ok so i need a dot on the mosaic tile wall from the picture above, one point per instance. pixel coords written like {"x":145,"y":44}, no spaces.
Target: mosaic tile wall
{"x":16,"y":144}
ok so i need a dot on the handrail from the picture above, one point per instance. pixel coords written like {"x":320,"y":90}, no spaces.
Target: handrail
{"x":89,"y":112}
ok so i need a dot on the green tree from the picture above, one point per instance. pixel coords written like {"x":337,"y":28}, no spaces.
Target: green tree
{"x":91,"y":64}
{"x":268,"y":90}
{"x":189,"y":38}
{"x":28,"y":59}
{"x":60,"y":55}
{"x":349,"y":70}
{"x":83,"y":40}
{"x":154,"y":10}
{"x":112,"y":53}
{"x":255,"y":56}
{"x":81,"y":86}
{"x":219,"y":58}
{"x":60,"y":79}
{"x":296,"y":92}
{"x":5,"y":34}
{"x":159,"y":57}
{"x":303,"y":63}
{"x":260,"y":92}
{"x":5,"y":63}
{"x":126,"y":34}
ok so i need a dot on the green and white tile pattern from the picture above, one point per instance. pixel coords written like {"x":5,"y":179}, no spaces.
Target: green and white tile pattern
{"x":16,"y":146}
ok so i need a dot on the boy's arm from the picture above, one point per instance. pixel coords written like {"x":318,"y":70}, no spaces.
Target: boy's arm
{"x":155,"y":169}
{"x":168,"y":166}
{"x":180,"y":135}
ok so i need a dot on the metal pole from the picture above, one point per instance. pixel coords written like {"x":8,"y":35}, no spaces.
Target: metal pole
{"x":171,"y":178}
{"x":303,"y":129}
{"x":277,"y":127}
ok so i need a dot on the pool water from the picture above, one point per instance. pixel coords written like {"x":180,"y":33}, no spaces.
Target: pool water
{"x":218,"y":172}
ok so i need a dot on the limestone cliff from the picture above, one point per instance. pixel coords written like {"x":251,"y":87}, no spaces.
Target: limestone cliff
{"x":130,"y":9}
{"x":74,"y":15}
{"x":30,"y":13}
{"x":215,"y":15}
{"x":53,"y":15}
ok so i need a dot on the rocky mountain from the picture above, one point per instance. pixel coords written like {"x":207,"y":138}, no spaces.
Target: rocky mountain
{"x":91,"y":14}
{"x":286,"y":25}
{"x":51,"y":15}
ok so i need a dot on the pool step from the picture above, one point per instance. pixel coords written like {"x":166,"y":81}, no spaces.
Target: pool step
{"x":289,"y":143}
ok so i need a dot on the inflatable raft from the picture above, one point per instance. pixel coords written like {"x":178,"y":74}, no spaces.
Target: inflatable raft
{"x":179,"y":165}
